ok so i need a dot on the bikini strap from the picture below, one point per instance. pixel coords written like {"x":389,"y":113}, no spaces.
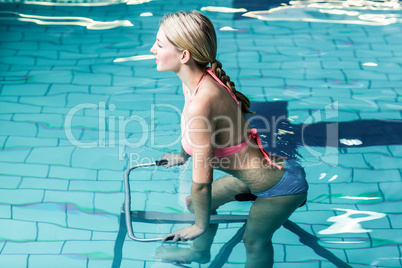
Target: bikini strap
{"x":254,"y":134}
{"x":211,"y":72}
{"x":196,"y":88}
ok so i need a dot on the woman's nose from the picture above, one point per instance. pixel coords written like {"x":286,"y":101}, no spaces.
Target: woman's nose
{"x":153,"y":49}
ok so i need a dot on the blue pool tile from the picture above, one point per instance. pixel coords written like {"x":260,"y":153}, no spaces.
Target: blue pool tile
{"x":58,"y":133}
{"x":24,"y":90}
{"x":386,"y":256}
{"x":110,"y":175}
{"x":9,"y":182}
{"x":17,"y":128}
{"x":32,"y":248}
{"x":41,"y":183}
{"x":396,"y":85}
{"x":104,"y":89}
{"x":132,"y":102}
{"x":147,"y":230}
{"x":389,"y":106}
{"x":385,"y":207}
{"x":51,"y":213}
{"x":347,"y":160}
{"x":5,"y":52}
{"x":55,"y":62}
{"x":97,"y":221}
{"x":233,"y":207}
{"x":308,"y":64}
{"x":288,"y":74}
{"x":396,"y":150}
{"x":96,"y":235}
{"x":312,"y":74}
{"x":39,"y":53}
{"x":325,"y":174}
{"x":54,"y":232}
{"x":77,"y":98}
{"x":312,"y":217}
{"x":378,"y":161}
{"x":369,"y":149}
{"x":355,"y":193}
{"x":17,"y":230}
{"x":72,"y":173}
{"x":14,"y":260}
{"x":391,"y":190}
{"x":383,"y":115}
{"x":340,"y":64}
{"x":3,"y":138}
{"x":171,"y":202}
{"x":303,"y":253}
{"x":20,"y":197}
{"x":162,"y":186}
{"x":386,"y":236}
{"x":47,"y":120}
{"x":56,"y":260}
{"x":53,"y":44}
{"x":361,"y":53}
{"x":370,"y":96}
{"x":83,"y":200}
{"x":146,"y":253}
{"x":56,"y":155}
{"x":67,"y":88}
{"x":52,"y":101}
{"x":374,"y":176}
{"x":353,"y":104}
{"x":61,"y":110}
{"x":362,"y":75}
{"x":260,"y":82}
{"x":318,"y":193}
{"x":334,"y":93}
{"x":310,"y":103}
{"x":96,"y":186}
{"x":26,"y":142}
{"x":23,"y":169}
{"x":102,"y":263}
{"x":98,"y":158}
{"x":72,"y":55}
{"x":59,"y":76}
{"x":127,"y":263}
{"x":91,"y":249}
{"x":5,"y":212}
{"x":396,"y":220}
{"x":91,"y":79}
{"x":12,"y":36}
{"x":20,"y":60}
{"x":310,"y":264}
{"x":14,"y":155}
{"x":112,"y":69}
{"x":285,"y":237}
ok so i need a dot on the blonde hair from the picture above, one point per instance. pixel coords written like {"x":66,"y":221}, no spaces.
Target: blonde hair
{"x":194,"y":32}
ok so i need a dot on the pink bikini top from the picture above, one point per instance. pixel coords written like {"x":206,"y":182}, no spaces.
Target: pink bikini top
{"x":226,"y":151}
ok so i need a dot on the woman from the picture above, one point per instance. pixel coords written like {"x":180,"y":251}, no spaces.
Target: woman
{"x":216,"y":133}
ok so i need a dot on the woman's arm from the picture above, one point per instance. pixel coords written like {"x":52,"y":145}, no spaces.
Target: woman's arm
{"x":200,"y":130}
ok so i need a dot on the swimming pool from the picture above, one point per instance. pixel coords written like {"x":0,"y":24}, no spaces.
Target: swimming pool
{"x":80,"y":100}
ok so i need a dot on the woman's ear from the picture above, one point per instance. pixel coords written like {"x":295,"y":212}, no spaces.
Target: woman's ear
{"x":185,"y":56}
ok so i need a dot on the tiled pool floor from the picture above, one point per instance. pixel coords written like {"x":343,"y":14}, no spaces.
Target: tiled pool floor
{"x":79,"y":103}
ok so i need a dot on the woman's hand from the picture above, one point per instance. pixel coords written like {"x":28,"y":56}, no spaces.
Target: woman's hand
{"x":185,"y":234}
{"x":173,"y":159}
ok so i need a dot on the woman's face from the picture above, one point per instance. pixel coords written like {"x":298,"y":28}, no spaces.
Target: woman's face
{"x":166,"y":54}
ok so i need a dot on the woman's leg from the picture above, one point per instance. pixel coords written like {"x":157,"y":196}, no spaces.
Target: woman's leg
{"x":266,"y":216}
{"x":224,"y":190}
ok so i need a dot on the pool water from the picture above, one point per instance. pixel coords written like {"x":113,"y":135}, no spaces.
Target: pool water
{"x":81,"y":100}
